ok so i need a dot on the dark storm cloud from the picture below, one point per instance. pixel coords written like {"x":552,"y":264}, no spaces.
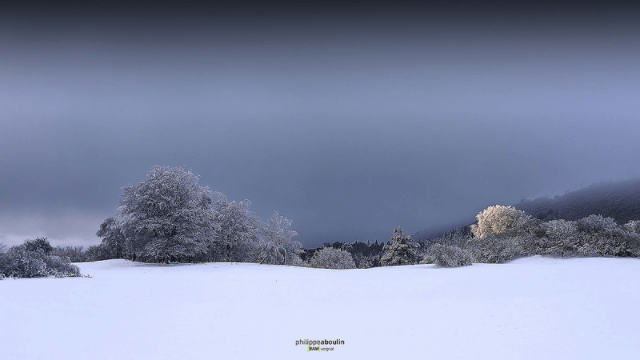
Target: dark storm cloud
{"x":350,"y":120}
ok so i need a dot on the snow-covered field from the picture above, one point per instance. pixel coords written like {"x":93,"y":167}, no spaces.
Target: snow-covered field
{"x":532,"y":308}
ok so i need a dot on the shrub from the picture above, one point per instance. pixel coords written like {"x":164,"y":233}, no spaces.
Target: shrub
{"x":39,"y":243}
{"x":22,"y":263}
{"x":593,"y":235}
{"x":562,"y":238}
{"x":330,"y":258}
{"x":449,"y":256}
{"x":60,"y":267}
{"x":3,"y":264}
{"x":495,"y":249}
{"x":632,"y":226}
{"x":596,"y":224}
{"x":601,"y":236}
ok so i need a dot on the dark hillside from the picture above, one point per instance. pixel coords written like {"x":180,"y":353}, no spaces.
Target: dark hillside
{"x":618,"y":200}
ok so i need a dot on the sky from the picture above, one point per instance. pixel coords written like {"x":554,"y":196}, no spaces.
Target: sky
{"x":348,"y":118}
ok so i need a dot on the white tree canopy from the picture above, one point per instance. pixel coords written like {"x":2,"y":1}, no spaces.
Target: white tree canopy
{"x":167,"y":215}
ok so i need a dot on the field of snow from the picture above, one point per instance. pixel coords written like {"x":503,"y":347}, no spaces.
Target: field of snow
{"x":532,"y":308}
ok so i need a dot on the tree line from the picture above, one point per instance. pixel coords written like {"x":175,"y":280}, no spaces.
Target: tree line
{"x":169,"y":217}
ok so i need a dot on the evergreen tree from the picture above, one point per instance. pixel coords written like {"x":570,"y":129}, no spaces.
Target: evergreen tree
{"x":400,"y":251}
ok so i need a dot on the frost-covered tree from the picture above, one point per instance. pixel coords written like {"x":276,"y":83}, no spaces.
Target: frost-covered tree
{"x":499,"y":220}
{"x":39,"y":243}
{"x":495,"y":249}
{"x":331,"y":258}
{"x":601,"y":236}
{"x":97,"y":253}
{"x":562,"y":238}
{"x":73,"y":253}
{"x":237,"y":231}
{"x":596,"y":224}
{"x":400,"y":251}
{"x":3,"y":260}
{"x":168,"y":215}
{"x":279,"y":241}
{"x":268,"y":253}
{"x":503,"y":233}
{"x":633,"y":226}
{"x":113,"y":239}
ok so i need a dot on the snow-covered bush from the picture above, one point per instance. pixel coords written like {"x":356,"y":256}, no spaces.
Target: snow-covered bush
{"x":633,"y":226}
{"x":596,"y":224}
{"x":593,"y":235}
{"x":60,"y":267}
{"x":500,"y":220}
{"x":448,"y":256}
{"x":330,"y":258}
{"x":21,"y":263}
{"x":401,"y":251}
{"x":4,"y":260}
{"x":39,"y":243}
{"x":600,"y":236}
{"x":495,"y":249}
{"x":562,"y":238}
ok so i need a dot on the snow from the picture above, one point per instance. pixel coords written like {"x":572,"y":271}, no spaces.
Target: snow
{"x":531,"y":308}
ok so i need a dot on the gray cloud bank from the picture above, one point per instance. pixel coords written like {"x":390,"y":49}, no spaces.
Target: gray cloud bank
{"x":349,"y":128}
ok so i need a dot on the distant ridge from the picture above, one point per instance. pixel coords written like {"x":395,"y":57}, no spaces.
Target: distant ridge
{"x":617,"y":200}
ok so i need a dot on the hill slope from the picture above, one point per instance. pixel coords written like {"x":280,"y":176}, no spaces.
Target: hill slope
{"x":618,"y":200}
